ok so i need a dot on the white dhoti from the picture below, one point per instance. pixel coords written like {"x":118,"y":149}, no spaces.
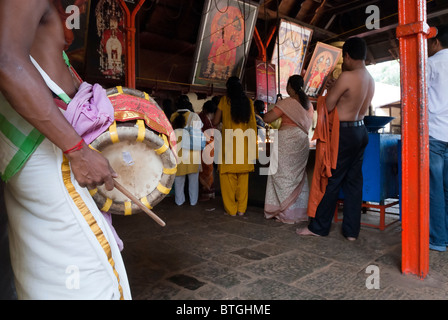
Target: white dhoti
{"x":61,"y":245}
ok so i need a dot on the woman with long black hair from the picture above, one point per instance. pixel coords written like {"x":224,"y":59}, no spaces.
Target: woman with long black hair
{"x":238,"y":150}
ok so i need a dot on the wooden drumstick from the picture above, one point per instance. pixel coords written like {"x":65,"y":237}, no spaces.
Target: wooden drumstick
{"x":123,"y":190}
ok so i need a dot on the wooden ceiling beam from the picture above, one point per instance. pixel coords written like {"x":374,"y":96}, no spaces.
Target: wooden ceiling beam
{"x":286,"y":6}
{"x":267,"y":14}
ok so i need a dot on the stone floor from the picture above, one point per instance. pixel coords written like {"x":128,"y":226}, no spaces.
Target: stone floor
{"x":203,"y":254}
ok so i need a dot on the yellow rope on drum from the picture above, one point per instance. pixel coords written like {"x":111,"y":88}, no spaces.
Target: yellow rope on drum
{"x":141,"y":130}
{"x":107,"y":205}
{"x":145,"y":201}
{"x":127,"y":208}
{"x":113,"y":133}
{"x":163,"y":189}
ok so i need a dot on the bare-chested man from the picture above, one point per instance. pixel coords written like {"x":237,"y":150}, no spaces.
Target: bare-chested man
{"x":351,"y":94}
{"x":61,"y":246}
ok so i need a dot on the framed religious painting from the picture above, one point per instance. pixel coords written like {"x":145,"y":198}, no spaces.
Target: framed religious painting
{"x":106,"y":48}
{"x":224,"y":41}
{"x":322,"y":63}
{"x":289,"y":51}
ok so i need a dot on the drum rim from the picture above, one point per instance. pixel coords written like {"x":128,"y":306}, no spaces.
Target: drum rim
{"x":129,"y":115}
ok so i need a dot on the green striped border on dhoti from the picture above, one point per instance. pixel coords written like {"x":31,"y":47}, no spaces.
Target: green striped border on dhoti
{"x":18,"y":140}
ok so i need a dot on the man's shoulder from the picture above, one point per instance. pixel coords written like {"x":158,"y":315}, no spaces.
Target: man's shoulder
{"x":438,"y":63}
{"x":345,"y":74}
{"x":348,"y":76}
{"x":441,"y":56}
{"x":357,"y":75}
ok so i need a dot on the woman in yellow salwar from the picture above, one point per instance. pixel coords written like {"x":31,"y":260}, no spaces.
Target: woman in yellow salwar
{"x":238,"y":151}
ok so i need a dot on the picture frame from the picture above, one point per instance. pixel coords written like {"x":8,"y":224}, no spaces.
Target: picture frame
{"x":323,"y":61}
{"x":266,"y":81}
{"x":289,"y":51}
{"x":224,"y":41}
{"x":106,"y":47}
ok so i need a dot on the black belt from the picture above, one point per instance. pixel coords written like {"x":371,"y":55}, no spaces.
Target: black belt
{"x":347,"y":124}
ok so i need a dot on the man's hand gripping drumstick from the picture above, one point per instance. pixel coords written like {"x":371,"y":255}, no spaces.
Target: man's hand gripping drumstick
{"x":90,"y":168}
{"x":81,"y":156}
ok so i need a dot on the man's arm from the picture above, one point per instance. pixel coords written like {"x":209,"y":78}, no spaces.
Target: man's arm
{"x":26,"y":91}
{"x":20,"y":82}
{"x":429,"y":69}
{"x":337,"y":91}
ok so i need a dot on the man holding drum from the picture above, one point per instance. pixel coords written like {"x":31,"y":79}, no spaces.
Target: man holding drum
{"x":61,"y":246}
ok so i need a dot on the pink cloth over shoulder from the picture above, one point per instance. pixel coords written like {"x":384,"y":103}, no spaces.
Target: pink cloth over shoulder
{"x":90,"y":112}
{"x":295,"y":113}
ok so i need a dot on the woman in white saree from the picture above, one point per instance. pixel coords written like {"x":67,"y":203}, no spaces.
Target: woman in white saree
{"x":287,"y":189}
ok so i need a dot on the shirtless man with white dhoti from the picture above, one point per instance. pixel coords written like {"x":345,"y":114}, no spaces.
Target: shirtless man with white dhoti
{"x":61,"y":245}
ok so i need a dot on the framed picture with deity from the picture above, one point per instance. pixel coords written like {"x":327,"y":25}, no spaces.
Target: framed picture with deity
{"x":289,"y":51}
{"x":106,"y":48}
{"x":322,"y":63}
{"x":224,"y":41}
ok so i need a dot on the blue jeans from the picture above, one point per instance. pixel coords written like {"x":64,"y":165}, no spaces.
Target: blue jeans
{"x":438,"y":218}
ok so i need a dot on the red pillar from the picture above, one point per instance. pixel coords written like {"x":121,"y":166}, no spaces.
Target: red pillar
{"x":130,"y":43}
{"x":262,"y":55}
{"x":412,"y":33}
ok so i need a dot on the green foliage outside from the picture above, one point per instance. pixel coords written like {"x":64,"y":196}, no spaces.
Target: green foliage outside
{"x":386,"y":72}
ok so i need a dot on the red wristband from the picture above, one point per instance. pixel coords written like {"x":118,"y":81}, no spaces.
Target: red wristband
{"x":75,"y":148}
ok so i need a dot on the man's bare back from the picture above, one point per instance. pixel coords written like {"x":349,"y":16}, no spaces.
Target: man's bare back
{"x":355,"y":101}
{"x":352,"y":93}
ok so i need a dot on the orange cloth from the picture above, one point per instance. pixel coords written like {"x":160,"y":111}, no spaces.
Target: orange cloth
{"x":327,"y":145}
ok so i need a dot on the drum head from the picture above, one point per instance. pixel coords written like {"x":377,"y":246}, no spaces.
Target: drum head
{"x":139,"y":167}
